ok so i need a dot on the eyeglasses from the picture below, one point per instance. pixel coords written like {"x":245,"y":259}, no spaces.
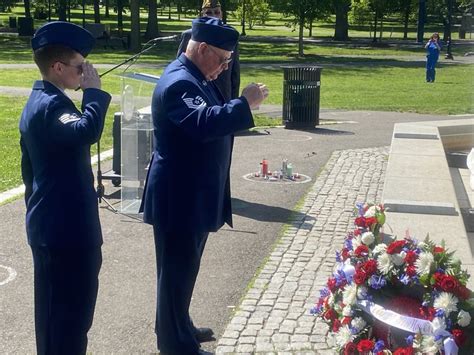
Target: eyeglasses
{"x":78,"y":66}
{"x":223,"y":61}
{"x":213,"y":13}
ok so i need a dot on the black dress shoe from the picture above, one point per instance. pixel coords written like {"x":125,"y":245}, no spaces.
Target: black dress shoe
{"x":204,"y":334}
{"x":204,"y":352}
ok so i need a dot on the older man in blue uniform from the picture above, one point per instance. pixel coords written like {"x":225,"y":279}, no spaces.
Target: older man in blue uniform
{"x":228,"y":82}
{"x":62,"y":220}
{"x":187,"y":194}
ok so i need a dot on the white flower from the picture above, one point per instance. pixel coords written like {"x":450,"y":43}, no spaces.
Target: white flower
{"x":356,"y":241}
{"x":371,"y":211}
{"x":379,"y":248}
{"x":362,"y":292}
{"x":446,"y":302}
{"x":384,"y":263}
{"x":343,"y":336}
{"x":422,"y":245}
{"x":429,"y":345}
{"x":367,"y":238}
{"x":358,"y":323}
{"x":423,"y":263}
{"x":464,"y":318}
{"x":397,"y":259}
{"x":347,"y":311}
{"x":349,"y":294}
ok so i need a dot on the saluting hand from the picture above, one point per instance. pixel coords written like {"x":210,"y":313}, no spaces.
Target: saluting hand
{"x":255,"y":94}
{"x":90,"y":78}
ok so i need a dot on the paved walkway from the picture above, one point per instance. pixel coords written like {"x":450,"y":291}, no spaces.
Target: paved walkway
{"x":274,"y":315}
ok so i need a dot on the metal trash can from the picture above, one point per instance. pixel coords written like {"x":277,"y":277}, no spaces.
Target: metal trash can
{"x":12,"y":22}
{"x":301,"y":90}
{"x":25,"y":26}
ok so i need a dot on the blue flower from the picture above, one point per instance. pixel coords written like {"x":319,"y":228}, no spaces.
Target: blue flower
{"x":379,"y":346}
{"x":360,"y":208}
{"x":377,"y":282}
{"x":439,"y":313}
{"x":338,"y":257}
{"x":405,"y":279}
{"x":409,"y":340}
{"x":324,"y":292}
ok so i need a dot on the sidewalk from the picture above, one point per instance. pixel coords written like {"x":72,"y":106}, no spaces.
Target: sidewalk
{"x":274,"y":314}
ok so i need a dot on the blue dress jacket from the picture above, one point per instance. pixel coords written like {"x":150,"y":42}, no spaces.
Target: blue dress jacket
{"x":61,"y":201}
{"x":188,"y":183}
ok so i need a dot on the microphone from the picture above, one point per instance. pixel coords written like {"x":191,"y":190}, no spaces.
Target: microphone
{"x":167,"y":38}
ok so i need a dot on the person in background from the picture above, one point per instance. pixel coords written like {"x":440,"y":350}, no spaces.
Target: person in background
{"x":228,"y":82}
{"x":62,"y":217}
{"x":433,"y":48}
{"x":187,"y":191}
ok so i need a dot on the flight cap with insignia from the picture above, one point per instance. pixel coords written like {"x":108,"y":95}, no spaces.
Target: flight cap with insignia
{"x":214,"y":32}
{"x":66,"y":34}
{"x":210,"y":4}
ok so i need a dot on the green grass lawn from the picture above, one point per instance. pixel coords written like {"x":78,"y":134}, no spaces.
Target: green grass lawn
{"x":10,"y":155}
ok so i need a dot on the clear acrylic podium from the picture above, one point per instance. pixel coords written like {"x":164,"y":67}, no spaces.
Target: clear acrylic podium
{"x":136,"y":137}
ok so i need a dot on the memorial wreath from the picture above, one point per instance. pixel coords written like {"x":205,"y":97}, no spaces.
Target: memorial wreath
{"x":389,"y":296}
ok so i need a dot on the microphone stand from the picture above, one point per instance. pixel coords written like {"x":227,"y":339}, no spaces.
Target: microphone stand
{"x":100,"y":186}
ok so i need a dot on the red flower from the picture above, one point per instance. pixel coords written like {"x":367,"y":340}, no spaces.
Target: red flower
{"x":438,"y":250}
{"x":459,"y":337}
{"x":463,"y":292}
{"x":346,"y":320}
{"x":404,"y":351}
{"x":411,"y":257}
{"x":360,"y":221}
{"x":336,"y":325}
{"x":360,"y":277}
{"x":369,"y":221}
{"x":395,"y":247}
{"x":356,"y":232}
{"x":350,"y":348}
{"x":345,"y":254}
{"x":330,"y":314}
{"x":411,"y":270}
{"x":365,"y":345}
{"x":369,"y":267}
{"x":449,"y":284}
{"x":361,"y":250}
{"x":332,"y":284}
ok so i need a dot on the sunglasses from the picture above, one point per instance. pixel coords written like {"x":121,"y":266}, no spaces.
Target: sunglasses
{"x":223,"y":60}
{"x":78,"y":66}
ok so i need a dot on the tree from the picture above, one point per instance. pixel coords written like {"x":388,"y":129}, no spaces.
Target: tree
{"x":444,"y":11}
{"x":300,"y":12}
{"x":96,"y":11}
{"x":341,"y":8}
{"x":152,"y":30}
{"x":406,"y":8}
{"x":27,"y":8}
{"x":256,"y":12}
{"x":362,"y":10}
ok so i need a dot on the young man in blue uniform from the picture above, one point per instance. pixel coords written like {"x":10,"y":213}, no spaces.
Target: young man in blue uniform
{"x":187,"y":194}
{"x":62,"y":220}
{"x":228,"y":82}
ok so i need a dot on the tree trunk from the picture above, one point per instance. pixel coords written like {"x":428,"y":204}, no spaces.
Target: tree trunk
{"x":375,"y":27}
{"x":135,"y":25}
{"x":27,"y":8}
{"x":152,"y":22}
{"x":341,"y":29}
{"x":62,"y":10}
{"x":120,"y":16}
{"x":405,"y":20}
{"x":448,"y":20}
{"x":96,"y":11}
{"x":310,"y":34}
{"x":300,"y":39}
{"x":421,"y":21}
{"x":107,"y":6}
{"x":179,"y":8}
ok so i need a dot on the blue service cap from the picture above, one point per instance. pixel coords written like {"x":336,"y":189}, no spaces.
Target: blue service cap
{"x":66,"y":34}
{"x":214,"y":32}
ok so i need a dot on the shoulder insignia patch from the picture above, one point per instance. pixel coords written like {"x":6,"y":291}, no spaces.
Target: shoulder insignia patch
{"x":68,"y":118}
{"x":194,"y":103}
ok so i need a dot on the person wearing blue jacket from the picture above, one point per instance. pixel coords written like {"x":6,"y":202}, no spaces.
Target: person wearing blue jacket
{"x":62,"y":219}
{"x":432,"y":48}
{"x":187,"y":192}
